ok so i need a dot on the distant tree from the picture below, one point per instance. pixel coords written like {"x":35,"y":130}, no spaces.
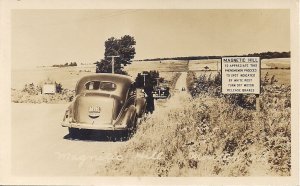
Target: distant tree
{"x":124,"y":48}
{"x":72,"y":64}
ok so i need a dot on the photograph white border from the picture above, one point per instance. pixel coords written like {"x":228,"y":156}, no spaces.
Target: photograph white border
{"x":5,"y":93}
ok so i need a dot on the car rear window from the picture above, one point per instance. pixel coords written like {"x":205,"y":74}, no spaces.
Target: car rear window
{"x":100,"y":85}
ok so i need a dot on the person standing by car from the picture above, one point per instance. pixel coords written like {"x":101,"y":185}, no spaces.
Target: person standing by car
{"x":149,"y":98}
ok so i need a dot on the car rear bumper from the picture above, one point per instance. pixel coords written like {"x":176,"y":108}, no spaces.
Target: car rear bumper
{"x":94,"y":127}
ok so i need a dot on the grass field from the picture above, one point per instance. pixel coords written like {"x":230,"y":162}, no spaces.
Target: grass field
{"x":276,"y":63}
{"x":277,"y":67}
{"x":163,"y":67}
{"x":68,"y":76}
{"x":283,"y":76}
{"x":198,"y":65}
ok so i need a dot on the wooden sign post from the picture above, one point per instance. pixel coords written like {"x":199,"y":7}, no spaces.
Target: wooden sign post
{"x":241,"y":75}
{"x":113,"y":63}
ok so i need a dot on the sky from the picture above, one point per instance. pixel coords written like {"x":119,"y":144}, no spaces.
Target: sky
{"x":47,"y":37}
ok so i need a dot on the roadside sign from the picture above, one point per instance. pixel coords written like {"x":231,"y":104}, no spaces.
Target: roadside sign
{"x":240,"y":75}
{"x":49,"y":89}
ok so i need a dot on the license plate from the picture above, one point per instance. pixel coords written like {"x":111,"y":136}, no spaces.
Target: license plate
{"x":94,"y":111}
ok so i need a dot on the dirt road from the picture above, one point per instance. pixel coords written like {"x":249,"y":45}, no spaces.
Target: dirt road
{"x":181,"y":82}
{"x":41,"y":147}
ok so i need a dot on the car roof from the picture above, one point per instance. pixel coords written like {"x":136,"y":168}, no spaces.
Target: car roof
{"x":123,"y":82}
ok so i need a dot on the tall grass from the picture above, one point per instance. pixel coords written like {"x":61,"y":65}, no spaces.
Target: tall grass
{"x":208,"y":134}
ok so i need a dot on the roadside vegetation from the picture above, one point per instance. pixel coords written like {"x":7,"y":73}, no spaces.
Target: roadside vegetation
{"x":210,"y":134}
{"x":32,"y":93}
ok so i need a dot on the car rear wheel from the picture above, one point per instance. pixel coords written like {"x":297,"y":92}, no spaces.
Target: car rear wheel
{"x":74,"y":132}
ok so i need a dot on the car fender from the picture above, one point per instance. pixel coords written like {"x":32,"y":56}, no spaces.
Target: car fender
{"x":68,"y":112}
{"x":130,"y":117}
{"x":140,"y":105}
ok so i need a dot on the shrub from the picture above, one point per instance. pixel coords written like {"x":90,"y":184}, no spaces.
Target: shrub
{"x":33,"y":94}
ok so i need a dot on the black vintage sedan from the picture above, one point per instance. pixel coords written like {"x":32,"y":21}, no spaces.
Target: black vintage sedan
{"x":161,"y":93}
{"x":104,"y":102}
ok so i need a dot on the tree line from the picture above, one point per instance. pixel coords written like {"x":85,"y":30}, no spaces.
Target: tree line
{"x":262,"y":55}
{"x":72,"y":64}
{"x":122,"y":51}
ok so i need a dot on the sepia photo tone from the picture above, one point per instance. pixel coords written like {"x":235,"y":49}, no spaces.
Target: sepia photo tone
{"x":151,"y":93}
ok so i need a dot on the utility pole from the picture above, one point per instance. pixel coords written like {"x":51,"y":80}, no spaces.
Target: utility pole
{"x":157,"y":81}
{"x":113,"y":63}
{"x":144,"y":78}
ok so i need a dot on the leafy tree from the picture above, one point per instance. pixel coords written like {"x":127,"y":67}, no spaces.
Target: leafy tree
{"x":124,"y":48}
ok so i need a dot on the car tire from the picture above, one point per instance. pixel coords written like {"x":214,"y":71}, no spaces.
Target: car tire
{"x":74,"y":133}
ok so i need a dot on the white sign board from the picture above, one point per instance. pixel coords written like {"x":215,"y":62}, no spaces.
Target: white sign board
{"x":49,"y":89}
{"x":241,"y":75}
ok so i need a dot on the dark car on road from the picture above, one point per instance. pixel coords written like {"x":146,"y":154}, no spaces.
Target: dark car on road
{"x":161,"y":92}
{"x":104,"y":102}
